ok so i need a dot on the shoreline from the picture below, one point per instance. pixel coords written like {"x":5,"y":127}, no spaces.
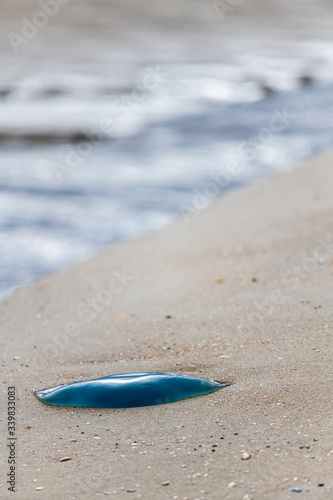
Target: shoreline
{"x":158,"y":89}
{"x":239,"y":293}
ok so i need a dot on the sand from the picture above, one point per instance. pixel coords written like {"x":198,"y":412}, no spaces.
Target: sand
{"x":248,"y":285}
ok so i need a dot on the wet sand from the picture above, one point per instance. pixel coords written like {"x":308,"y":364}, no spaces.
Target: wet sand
{"x":240,"y":292}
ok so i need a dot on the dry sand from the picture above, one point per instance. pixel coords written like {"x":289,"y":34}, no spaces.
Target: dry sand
{"x":271,"y":319}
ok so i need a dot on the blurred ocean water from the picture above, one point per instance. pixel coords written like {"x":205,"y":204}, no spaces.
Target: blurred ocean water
{"x":113,"y":118}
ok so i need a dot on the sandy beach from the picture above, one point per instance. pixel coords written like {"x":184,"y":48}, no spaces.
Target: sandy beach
{"x":239,"y":292}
